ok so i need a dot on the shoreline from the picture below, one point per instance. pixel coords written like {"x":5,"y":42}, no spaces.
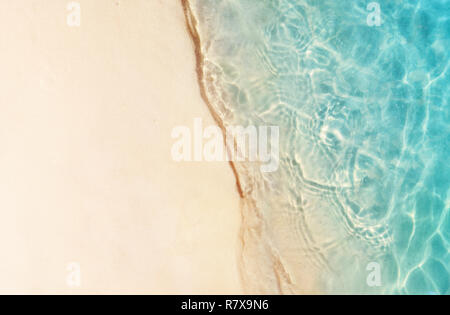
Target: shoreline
{"x":263,"y":268}
{"x":191,"y":26}
{"x":251,"y":221}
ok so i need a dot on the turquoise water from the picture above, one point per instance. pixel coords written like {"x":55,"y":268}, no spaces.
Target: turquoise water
{"x":364,"y":113}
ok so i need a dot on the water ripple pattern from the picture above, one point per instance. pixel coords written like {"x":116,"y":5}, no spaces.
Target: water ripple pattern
{"x":364,"y":118}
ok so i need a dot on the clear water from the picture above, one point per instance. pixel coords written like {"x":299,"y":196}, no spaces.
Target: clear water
{"x":364,"y":114}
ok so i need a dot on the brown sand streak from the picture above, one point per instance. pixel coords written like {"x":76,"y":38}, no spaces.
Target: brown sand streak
{"x":191,"y":25}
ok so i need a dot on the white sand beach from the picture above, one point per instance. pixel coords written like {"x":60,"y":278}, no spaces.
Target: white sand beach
{"x":86,"y":174}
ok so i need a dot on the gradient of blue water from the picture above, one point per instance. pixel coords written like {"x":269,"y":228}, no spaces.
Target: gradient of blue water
{"x":365,"y":124}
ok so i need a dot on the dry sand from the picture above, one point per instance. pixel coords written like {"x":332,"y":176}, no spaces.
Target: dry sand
{"x":86,"y":174}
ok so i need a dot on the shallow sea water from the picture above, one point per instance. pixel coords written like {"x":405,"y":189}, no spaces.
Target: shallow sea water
{"x":364,"y":118}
